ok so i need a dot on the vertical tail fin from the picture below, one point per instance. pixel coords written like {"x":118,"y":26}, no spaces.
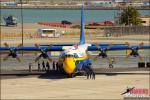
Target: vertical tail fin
{"x":82,"y":38}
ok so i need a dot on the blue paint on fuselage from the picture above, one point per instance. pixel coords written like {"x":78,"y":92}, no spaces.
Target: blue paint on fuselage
{"x":85,"y":62}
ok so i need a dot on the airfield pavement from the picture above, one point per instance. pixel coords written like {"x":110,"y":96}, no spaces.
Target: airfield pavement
{"x":103,"y":87}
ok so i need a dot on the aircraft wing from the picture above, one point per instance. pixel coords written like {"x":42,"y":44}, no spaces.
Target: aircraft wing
{"x":45,"y":49}
{"x":12,"y":51}
{"x":118,"y":47}
{"x":54,"y":47}
{"x":133,"y":50}
{"x":32,"y":48}
{"x":102,"y":44}
{"x":60,"y":47}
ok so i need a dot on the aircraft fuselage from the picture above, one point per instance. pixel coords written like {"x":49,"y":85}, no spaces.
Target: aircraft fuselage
{"x":74,"y":57}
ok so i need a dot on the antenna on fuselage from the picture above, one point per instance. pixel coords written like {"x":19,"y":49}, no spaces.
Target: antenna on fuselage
{"x":82,"y":38}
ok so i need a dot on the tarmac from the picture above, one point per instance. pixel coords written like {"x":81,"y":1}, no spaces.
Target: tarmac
{"x":103,"y":87}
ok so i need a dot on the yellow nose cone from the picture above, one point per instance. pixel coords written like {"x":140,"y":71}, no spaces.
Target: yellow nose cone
{"x":69,"y":65}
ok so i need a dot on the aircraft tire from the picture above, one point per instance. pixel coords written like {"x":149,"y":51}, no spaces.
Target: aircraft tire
{"x":141,"y":64}
{"x":148,"y":64}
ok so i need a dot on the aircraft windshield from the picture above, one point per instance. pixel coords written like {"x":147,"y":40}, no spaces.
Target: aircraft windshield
{"x":68,"y":55}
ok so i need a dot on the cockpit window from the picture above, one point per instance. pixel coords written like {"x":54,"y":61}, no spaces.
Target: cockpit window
{"x":68,"y":55}
{"x":75,"y":55}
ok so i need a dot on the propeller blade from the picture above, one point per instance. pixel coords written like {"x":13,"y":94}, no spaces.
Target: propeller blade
{"x":109,"y":60}
{"x":128,"y":51}
{"x":6,"y":45}
{"x":6,"y":57}
{"x":97,"y":46}
{"x":37,"y":46}
{"x":50,"y":45}
{"x":50,"y":59}
{"x":127,"y":43}
{"x":141,"y":58}
{"x":95,"y":59}
{"x":18,"y":59}
{"x":12,"y":52}
{"x":141,"y":44}
{"x":109,"y":46}
{"x":20,"y":45}
{"x":88,"y":54}
{"x":127,"y":57}
{"x":37,"y":58}
{"x":35,"y":53}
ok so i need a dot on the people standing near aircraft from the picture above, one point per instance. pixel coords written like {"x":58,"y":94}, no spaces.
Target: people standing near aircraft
{"x":43,"y":65}
{"x":39,"y":66}
{"x":54,"y":65}
{"x":112,"y":60}
{"x":48,"y":66}
{"x":86,"y":71}
{"x":57,"y":66}
{"x":60,"y":66}
{"x":91,"y":72}
{"x":30,"y":67}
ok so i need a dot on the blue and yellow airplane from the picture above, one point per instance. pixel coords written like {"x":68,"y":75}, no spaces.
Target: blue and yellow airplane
{"x":74,"y":56}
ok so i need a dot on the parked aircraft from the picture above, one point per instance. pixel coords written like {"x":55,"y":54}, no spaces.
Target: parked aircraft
{"x":10,"y":20}
{"x":74,"y":57}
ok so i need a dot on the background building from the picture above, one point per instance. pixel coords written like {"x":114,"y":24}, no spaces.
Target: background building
{"x":101,"y":3}
{"x":145,"y":20}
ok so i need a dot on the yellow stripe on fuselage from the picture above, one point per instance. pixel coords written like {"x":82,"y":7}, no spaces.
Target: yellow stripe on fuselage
{"x":81,"y":58}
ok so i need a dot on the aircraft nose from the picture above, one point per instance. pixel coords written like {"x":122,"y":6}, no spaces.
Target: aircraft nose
{"x":69,"y":65}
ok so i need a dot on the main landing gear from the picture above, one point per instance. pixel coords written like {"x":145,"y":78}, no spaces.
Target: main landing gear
{"x":89,"y":72}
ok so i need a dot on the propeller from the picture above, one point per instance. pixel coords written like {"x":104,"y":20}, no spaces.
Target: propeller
{"x":134,"y":51}
{"x":12,"y":52}
{"x":103,"y":51}
{"x":44,"y":53}
{"x":90,"y":56}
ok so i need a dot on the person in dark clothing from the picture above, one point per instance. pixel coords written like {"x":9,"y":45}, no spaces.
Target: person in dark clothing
{"x":57,"y":66}
{"x":86,"y":70}
{"x":88,"y":73}
{"x":53,"y":65}
{"x":92,"y":74}
{"x":48,"y":66}
{"x":39,"y":66}
{"x":43,"y":65}
{"x":30,"y":67}
{"x":60,"y":66}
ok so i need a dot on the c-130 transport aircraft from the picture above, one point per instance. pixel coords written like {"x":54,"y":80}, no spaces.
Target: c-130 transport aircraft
{"x":74,"y":57}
